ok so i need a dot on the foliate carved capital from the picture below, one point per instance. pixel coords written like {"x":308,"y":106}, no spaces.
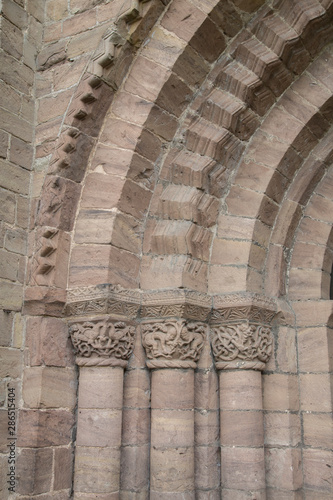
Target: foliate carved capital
{"x":241,"y":345}
{"x":102,"y":342}
{"x":173,"y":343}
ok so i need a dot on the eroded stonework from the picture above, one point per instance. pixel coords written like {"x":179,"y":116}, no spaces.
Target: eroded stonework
{"x":241,"y":345}
{"x":175,"y":344}
{"x":102,"y":342}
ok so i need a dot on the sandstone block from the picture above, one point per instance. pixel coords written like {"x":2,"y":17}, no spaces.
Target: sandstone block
{"x":172,"y":470}
{"x":208,"y":41}
{"x":240,"y":390}
{"x":48,"y":342}
{"x":20,"y":77}
{"x":315,"y":392}
{"x":318,"y":471}
{"x":282,"y":429}
{"x":174,"y":95}
{"x":43,"y":300}
{"x":136,"y":427}
{"x":8,"y":265}
{"x":137,"y":389}
{"x":206,"y":428}
{"x":14,"y":178}
{"x":16,"y":241}
{"x":146,"y":79}
{"x":4,"y":142}
{"x":42,"y":429}
{"x":183,"y":19}
{"x":63,"y":468}
{"x":239,"y":428}
{"x":172,"y":428}
{"x":43,"y":387}
{"x":6,"y":324}
{"x":134,"y":468}
{"x":191,"y":67}
{"x":89,"y":264}
{"x":134,"y":199}
{"x":95,"y":393}
{"x":283,"y":469}
{"x":11,"y":39}
{"x":15,"y":14}
{"x":58,"y":203}
{"x":318,"y":430}
{"x":243,"y":468}
{"x":22,"y":212}
{"x":206,"y":389}
{"x":102,"y":191}
{"x":34,"y":471}
{"x":10,"y":363}
{"x":99,"y":427}
{"x":97,"y":470}
{"x":165,"y":387}
{"x":207,"y":467}
{"x":313,"y":352}
{"x":280,"y":392}
{"x":7,"y":206}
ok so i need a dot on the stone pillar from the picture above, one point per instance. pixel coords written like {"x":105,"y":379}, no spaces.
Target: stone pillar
{"x":172,"y":347}
{"x":242,"y":344}
{"x":103,"y":346}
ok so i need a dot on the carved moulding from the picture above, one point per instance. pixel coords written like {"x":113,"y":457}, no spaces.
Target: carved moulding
{"x":241,"y":334}
{"x":103,"y":299}
{"x":173,"y":343}
{"x":184,"y":303}
{"x":102,"y":341}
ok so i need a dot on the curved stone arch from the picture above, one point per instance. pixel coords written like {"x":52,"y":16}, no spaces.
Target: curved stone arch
{"x":312,"y":173}
{"x":138,"y":137}
{"x":278,"y":152}
{"x":174,"y":241}
{"x":311,"y":261}
{"x":192,"y":38}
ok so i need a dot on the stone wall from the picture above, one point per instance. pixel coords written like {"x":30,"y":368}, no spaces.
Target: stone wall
{"x":168,"y":206}
{"x":21,"y":40}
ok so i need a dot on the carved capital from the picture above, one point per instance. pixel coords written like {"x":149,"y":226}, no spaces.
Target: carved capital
{"x":241,"y":345}
{"x":172,"y":343}
{"x":102,"y":342}
{"x":241,"y":334}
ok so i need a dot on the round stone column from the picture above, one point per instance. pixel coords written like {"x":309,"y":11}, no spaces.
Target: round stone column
{"x":102,"y":347}
{"x":172,"y":347}
{"x":241,"y":343}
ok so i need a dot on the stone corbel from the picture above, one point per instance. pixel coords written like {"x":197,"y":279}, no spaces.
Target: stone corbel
{"x":241,"y":334}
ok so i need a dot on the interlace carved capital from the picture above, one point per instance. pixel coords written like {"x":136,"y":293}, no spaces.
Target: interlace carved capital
{"x":172,"y":343}
{"x":241,"y":334}
{"x":102,"y":342}
{"x":241,"y":345}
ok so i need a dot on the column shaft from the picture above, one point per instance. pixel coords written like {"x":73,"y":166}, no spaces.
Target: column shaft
{"x":242,"y":435}
{"x":172,"y":435}
{"x":97,"y":454}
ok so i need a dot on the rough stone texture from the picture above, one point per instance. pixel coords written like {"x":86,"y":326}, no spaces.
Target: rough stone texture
{"x":202,"y":161}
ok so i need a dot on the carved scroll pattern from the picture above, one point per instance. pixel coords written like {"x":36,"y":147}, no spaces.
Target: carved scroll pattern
{"x":102,"y":342}
{"x":175,"y":344}
{"x":241,"y":345}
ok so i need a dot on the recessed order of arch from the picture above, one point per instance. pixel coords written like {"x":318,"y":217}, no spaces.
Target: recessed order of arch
{"x":312,"y":252}
{"x":131,"y":147}
{"x":276,"y":158}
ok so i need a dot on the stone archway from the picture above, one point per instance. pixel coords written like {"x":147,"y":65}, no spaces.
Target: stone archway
{"x":150,"y":218}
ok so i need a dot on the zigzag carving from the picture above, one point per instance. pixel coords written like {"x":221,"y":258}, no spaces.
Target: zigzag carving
{"x":98,"y":74}
{"x":256,"y":73}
